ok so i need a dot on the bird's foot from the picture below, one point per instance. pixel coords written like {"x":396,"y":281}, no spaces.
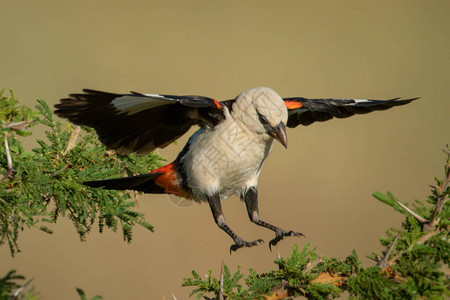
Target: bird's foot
{"x":241,"y":243}
{"x":281,"y":234}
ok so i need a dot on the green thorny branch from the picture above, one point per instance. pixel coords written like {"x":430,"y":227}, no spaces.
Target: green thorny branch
{"x":12,"y":287}
{"x":38,"y":186}
{"x":414,"y":264}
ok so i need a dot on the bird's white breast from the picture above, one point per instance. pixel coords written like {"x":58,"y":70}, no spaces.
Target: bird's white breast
{"x":226,"y":159}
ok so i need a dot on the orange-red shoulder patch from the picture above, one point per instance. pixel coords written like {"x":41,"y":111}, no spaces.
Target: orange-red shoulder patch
{"x":293,"y":104}
{"x":217,"y":103}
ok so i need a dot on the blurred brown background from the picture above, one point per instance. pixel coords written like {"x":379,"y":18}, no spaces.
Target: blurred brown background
{"x":320,"y":186}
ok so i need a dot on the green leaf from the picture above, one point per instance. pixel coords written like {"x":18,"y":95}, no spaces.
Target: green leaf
{"x":46,"y":229}
{"x":81,"y":294}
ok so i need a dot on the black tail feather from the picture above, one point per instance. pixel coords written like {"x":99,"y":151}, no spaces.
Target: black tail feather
{"x":141,"y":183}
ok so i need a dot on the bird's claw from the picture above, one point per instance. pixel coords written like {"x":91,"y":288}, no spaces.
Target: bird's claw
{"x":241,"y":243}
{"x":281,"y":235}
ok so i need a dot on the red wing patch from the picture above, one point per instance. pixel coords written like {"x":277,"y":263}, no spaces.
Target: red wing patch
{"x":169,"y":181}
{"x":293,"y":104}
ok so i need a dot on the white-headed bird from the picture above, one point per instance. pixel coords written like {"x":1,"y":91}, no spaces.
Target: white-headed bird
{"x":223,"y":158}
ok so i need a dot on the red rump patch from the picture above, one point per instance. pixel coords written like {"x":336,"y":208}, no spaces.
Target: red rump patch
{"x":293,"y":104}
{"x":169,"y":181}
{"x":164,"y":169}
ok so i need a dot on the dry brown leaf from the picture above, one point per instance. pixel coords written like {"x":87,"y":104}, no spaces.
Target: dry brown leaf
{"x":280,"y":294}
{"x":391,"y":274}
{"x":334,"y":279}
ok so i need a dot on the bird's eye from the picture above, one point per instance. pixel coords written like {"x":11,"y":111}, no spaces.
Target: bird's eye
{"x":263,"y":119}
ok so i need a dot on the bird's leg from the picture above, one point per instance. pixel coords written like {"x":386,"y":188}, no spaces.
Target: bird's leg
{"x":251,"y":201}
{"x":216,"y":209}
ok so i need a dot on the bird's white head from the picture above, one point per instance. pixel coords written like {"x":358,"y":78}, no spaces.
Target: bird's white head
{"x":263,"y":112}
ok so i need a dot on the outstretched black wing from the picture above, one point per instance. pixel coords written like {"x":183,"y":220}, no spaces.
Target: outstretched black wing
{"x":303,"y":111}
{"x":138,"y":122}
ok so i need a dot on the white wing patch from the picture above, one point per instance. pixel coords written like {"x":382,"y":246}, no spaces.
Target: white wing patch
{"x":361,"y":100}
{"x":132,"y":104}
{"x":154,"y":96}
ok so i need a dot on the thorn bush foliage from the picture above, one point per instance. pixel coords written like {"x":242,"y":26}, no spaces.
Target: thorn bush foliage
{"x":38,"y":186}
{"x":10,"y":289}
{"x":414,"y":264}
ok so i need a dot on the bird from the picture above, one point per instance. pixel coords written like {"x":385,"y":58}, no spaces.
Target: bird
{"x":224,"y":157}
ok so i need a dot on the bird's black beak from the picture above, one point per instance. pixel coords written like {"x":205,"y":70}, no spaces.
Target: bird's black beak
{"x":279,"y":133}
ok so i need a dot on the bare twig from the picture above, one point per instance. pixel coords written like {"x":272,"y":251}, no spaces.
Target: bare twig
{"x":416,"y":216}
{"x":439,"y":206}
{"x":384,"y":262}
{"x":8,"y":174}
{"x":427,"y":236}
{"x":442,"y":196}
{"x":72,"y":140}
{"x":16,"y":294}
{"x":8,"y":154}
{"x":312,"y":264}
{"x":136,"y":197}
{"x":447,"y":151}
{"x":17,"y":125}
{"x":60,"y":170}
{"x":430,"y":227}
{"x":8,"y":160}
